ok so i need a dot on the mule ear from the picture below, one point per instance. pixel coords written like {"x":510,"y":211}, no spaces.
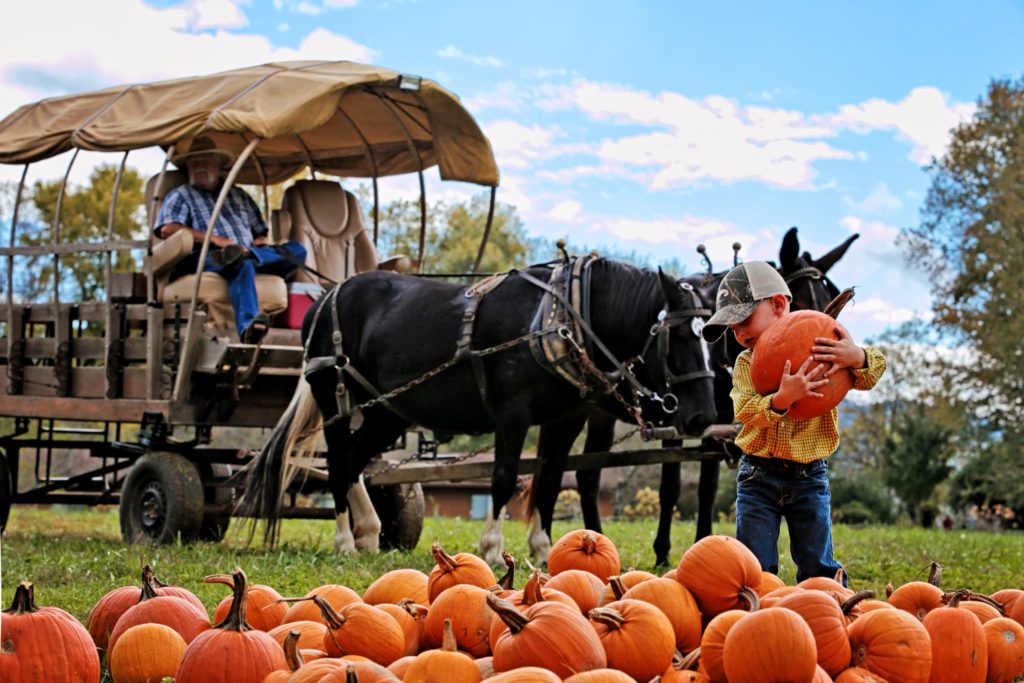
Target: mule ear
{"x":670,"y":288}
{"x":829,"y":259}
{"x":789,"y":253}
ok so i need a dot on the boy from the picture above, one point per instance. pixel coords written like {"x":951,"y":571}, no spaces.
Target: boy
{"x":784,"y":471}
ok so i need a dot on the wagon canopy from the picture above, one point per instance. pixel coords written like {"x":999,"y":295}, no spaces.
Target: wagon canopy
{"x":340,"y":118}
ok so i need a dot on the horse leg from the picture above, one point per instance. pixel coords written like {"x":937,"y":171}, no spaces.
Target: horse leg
{"x":365,"y":522}
{"x":380,"y":429}
{"x":508,"y":446}
{"x":556,"y":440}
{"x":339,"y":479}
{"x":707,"y":491}
{"x":668,"y":496}
{"x":600,"y":435}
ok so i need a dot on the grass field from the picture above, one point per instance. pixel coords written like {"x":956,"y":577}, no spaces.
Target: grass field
{"x":75,"y":557}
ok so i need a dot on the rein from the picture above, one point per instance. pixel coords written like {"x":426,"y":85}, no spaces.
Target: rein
{"x":812,"y":273}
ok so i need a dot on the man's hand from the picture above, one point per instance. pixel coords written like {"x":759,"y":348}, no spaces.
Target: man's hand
{"x":260,"y":241}
{"x":800,"y":384}
{"x":841,"y":353}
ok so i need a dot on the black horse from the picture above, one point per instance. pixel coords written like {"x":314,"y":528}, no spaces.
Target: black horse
{"x":811,"y":289}
{"x":382,"y":333}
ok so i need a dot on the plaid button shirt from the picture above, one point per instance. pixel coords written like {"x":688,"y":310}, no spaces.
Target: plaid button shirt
{"x":239,"y":219}
{"x":767,"y":433}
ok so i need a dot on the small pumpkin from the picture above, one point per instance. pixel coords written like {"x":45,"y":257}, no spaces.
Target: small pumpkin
{"x":460,"y":568}
{"x":314,"y":672}
{"x":533,"y":592}
{"x":720,"y":573}
{"x":180,"y":614}
{"x":146,"y":654}
{"x":959,"y":647}
{"x":1005,"y":642}
{"x":360,"y":672}
{"x":681,"y":670}
{"x":823,"y":614}
{"x":526,"y":674}
{"x":27,"y":639}
{"x":584,"y":587}
{"x":292,"y":655}
{"x":311,"y":633}
{"x":828,"y":585}
{"x":774,"y":596}
{"x":893,"y":644}
{"x":264,"y":609}
{"x":770,"y":646}
{"x":397,"y":585}
{"x":919,"y":597}
{"x":600,"y":676}
{"x":712,"y":643}
{"x":618,"y":585}
{"x":445,"y":665}
{"x":466,"y":606}
{"x":336,"y":595}
{"x":672,"y":598}
{"x":361,"y":629}
{"x":821,"y":676}
{"x":584,"y":549}
{"x":769,"y":582}
{"x":411,"y":627}
{"x":231,"y":652}
{"x":857,"y":674}
{"x":638,"y":638}
{"x":1007,"y":598}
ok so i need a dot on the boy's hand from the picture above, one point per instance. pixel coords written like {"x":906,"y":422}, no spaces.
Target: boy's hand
{"x":800,"y":384}
{"x":841,"y":353}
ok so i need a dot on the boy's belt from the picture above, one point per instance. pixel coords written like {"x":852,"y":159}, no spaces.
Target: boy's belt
{"x":780,"y":467}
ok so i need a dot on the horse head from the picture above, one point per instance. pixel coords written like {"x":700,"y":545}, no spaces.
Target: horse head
{"x":806,"y":276}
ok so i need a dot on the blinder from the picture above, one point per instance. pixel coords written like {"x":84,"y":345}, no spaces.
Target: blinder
{"x":661,"y":333}
{"x":814,"y":273}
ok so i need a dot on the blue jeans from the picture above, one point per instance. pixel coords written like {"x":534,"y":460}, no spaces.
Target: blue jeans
{"x":241,"y":276}
{"x":803,"y":498}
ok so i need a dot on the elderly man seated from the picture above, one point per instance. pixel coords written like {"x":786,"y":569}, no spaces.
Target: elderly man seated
{"x":239,"y":238}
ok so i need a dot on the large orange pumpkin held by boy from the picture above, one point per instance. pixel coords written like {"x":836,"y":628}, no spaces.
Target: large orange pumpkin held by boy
{"x":784,"y":470}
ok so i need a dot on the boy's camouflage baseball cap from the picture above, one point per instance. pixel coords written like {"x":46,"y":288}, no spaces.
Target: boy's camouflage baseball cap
{"x":742,"y":289}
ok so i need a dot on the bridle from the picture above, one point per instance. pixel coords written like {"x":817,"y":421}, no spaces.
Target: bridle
{"x":814,"y":273}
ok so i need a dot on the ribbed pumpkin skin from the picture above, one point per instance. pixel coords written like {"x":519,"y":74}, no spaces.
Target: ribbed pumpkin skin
{"x":460,"y":568}
{"x":684,"y":677}
{"x":145,"y":654}
{"x":598,"y":676}
{"x":823,"y":615}
{"x":1008,"y":597}
{"x":858,"y":675}
{"x":180,"y":614}
{"x":262,"y":611}
{"x":1005,"y":641}
{"x":517,"y":598}
{"x":584,"y":587}
{"x":983,"y":611}
{"x":643,"y":645}
{"x":336,"y":595}
{"x":588,"y":550}
{"x":311,"y":633}
{"x":959,"y":649}
{"x":557,"y":638}
{"x":892,"y":644}
{"x":367,"y":631}
{"x":627,"y":580}
{"x":714,"y":569}
{"x":771,"y":646}
{"x":526,"y":674}
{"x":917,"y":598}
{"x":466,"y":606}
{"x":410,"y":628}
{"x":672,"y":598}
{"x":218,"y":656}
{"x":366,"y":672}
{"x":774,"y":596}
{"x":712,"y":643}
{"x":108,"y":609}
{"x":28,"y":639}
{"x":439,"y":666}
{"x":313,"y":672}
{"x":397,"y":585}
{"x":769,"y":582}
{"x":821,"y":676}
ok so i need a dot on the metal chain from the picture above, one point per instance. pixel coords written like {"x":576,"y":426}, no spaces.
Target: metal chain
{"x":587,"y":367}
{"x":416,"y":456}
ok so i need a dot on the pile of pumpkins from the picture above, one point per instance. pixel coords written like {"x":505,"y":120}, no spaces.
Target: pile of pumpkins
{"x":715,"y":618}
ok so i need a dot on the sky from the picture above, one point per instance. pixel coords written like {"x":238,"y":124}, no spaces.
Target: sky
{"x":645,"y":127}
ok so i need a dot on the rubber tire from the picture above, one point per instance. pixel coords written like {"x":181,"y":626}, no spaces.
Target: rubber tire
{"x":6,"y":492}
{"x":161,"y":500}
{"x":401,"y":509}
{"x":214,"y":526}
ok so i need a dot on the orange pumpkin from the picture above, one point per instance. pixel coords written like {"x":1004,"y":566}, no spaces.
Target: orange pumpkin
{"x":770,"y":646}
{"x":672,"y":598}
{"x":721,"y":573}
{"x":684,"y":677}
{"x":790,"y":338}
{"x":772,"y":597}
{"x":824,"y":616}
{"x":984,"y":611}
{"x":311,"y":633}
{"x":466,"y":606}
{"x":452,"y":570}
{"x":361,"y":629}
{"x":1005,"y":642}
{"x":231,"y":651}
{"x":396,"y":585}
{"x":28,"y":638}
{"x":304,"y":609}
{"x":526,"y":674}
{"x":959,"y":648}
{"x":359,"y":672}
{"x":146,"y":653}
{"x":1007,"y":598}
{"x":445,"y":665}
{"x":824,"y":583}
{"x":858,"y":675}
{"x":821,"y":676}
{"x":587,"y":550}
{"x":712,"y":643}
{"x":892,"y":644}
{"x":401,"y":665}
{"x":583,"y":587}
{"x":533,"y":592}
{"x":263,"y":609}
{"x":638,"y":638}
{"x":600,"y":676}
{"x":618,"y":585}
{"x":769,"y":582}
{"x":550,"y":635}
{"x":917,"y":598}
{"x":180,"y":614}
{"x":411,"y":627}
{"x":314,"y":672}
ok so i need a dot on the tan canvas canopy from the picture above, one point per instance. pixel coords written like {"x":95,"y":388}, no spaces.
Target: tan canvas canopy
{"x":339,"y":118}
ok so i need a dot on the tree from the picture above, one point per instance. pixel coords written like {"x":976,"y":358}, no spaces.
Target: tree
{"x":915,"y":457}
{"x":970,"y":242}
{"x":84,"y":217}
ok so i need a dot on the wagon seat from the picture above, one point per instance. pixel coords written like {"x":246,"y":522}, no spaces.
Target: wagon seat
{"x":271,"y":290}
{"x":327,"y":220}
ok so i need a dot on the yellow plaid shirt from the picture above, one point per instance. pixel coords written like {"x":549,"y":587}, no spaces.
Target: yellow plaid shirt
{"x":770,"y":434}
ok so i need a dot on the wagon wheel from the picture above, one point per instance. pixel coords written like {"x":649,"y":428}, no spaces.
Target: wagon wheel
{"x":401,"y":509}
{"x":215,"y":525}
{"x":6,"y":492}
{"x":161,"y":500}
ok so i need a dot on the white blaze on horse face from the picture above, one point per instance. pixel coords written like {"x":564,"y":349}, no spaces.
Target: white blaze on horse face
{"x":344,"y":542}
{"x":697,"y":326}
{"x":492,"y":540}
{"x":540,"y":544}
{"x":365,"y":522}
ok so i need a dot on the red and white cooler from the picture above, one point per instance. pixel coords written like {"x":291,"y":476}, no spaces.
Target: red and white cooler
{"x":301,"y":296}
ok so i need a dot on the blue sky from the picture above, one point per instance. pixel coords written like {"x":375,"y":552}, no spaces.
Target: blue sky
{"x":645,"y":126}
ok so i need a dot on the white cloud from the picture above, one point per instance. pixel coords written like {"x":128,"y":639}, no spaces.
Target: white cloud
{"x":452,"y":52}
{"x":879,"y":310}
{"x":308,"y":8}
{"x":205,"y":14}
{"x":924,"y":118}
{"x":517,"y":146}
{"x":880,"y":200}
{"x":566,"y":211}
{"x":340,"y":4}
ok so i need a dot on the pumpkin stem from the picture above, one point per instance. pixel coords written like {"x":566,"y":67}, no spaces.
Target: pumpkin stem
{"x":508,"y":581}
{"x":351,"y":676}
{"x":222,"y":579}
{"x":24,"y":599}
{"x":618,"y":590}
{"x":750,"y":595}
{"x":292,"y":655}
{"x":852,"y":601}
{"x":689,"y":662}
{"x":443,"y":559}
{"x":532,"y":592}
{"x":333,"y":619}
{"x":935,"y":573}
{"x":589,"y":544}
{"x":235,"y":620}
{"x":507,"y":612}
{"x":840,"y":573}
{"x":612,"y":618}
{"x":448,"y":642}
{"x":888,"y":590}
{"x":417,"y":612}
{"x":149,"y":584}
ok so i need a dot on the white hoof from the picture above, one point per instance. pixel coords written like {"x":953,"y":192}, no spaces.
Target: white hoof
{"x":344,"y":541}
{"x":540,"y":544}
{"x":492,"y":540}
{"x":365,"y":522}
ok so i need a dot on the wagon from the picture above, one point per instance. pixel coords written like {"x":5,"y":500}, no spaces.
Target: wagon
{"x":136,"y":382}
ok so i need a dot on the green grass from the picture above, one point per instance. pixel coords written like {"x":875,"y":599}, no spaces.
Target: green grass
{"x":75,"y":557}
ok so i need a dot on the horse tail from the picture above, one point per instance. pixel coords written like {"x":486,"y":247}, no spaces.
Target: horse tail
{"x":294,"y":438}
{"x":529,"y":492}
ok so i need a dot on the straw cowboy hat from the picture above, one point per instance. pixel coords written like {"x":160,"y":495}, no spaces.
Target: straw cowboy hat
{"x":198,"y":146}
